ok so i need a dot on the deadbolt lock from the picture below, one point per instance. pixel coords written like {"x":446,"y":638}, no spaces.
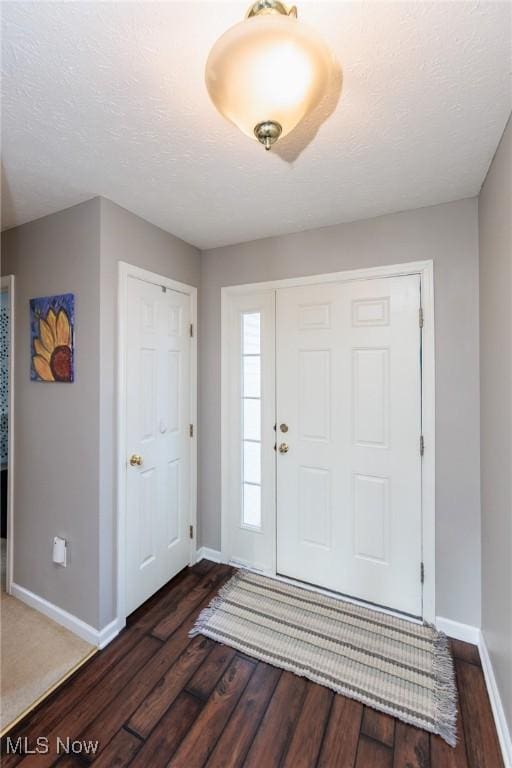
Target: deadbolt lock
{"x":283,"y":448}
{"x":283,"y":427}
{"x":136,"y":460}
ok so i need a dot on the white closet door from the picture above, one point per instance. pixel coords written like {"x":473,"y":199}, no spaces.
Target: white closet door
{"x":349,"y":396}
{"x":158,"y":408}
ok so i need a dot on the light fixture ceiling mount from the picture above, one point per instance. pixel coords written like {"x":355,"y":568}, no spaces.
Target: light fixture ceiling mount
{"x":261,"y":7}
{"x":268,"y":72}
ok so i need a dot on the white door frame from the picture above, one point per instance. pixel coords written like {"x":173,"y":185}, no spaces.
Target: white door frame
{"x":7,"y":283}
{"x":425,"y":269}
{"x":124,"y":272}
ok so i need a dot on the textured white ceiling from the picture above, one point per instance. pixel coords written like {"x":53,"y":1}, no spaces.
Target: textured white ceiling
{"x":109,"y":99}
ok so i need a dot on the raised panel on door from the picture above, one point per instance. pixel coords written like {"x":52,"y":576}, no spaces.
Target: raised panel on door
{"x":314,"y":513}
{"x":370,"y":396}
{"x":314,"y":403}
{"x":148,"y":361}
{"x":146,"y":501}
{"x":174,"y":532}
{"x":371,"y":518}
{"x":349,"y":486}
{"x":172,"y":407}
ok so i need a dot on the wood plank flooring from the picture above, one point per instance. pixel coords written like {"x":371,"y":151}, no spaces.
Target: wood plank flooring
{"x":154,"y":697}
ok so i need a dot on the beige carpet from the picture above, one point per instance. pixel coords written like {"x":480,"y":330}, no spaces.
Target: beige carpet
{"x":3,"y":563}
{"x":36,"y":654}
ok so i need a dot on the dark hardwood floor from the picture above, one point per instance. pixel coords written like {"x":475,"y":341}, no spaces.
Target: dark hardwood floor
{"x":154,"y":698}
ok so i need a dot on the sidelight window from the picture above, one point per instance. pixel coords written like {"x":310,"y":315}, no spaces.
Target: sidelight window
{"x":251,"y":419}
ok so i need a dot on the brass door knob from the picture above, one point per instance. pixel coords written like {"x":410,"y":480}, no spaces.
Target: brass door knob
{"x":283,"y":448}
{"x":136,"y":460}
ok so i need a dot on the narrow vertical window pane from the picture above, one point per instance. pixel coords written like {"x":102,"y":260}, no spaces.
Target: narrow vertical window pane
{"x":252,"y":420}
{"x":251,"y":334}
{"x":252,"y":377}
{"x":252,"y":505}
{"x":252,"y":462}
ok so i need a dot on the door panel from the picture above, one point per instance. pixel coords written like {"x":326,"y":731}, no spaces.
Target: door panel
{"x":349,"y":487}
{"x":157,"y":412}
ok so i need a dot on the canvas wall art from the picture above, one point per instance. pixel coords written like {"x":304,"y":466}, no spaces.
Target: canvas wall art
{"x":52,"y":322}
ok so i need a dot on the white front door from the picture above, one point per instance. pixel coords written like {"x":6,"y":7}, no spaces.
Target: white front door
{"x":348,"y":406}
{"x":157,"y":419}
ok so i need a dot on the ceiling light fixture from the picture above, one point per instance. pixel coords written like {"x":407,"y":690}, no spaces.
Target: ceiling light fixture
{"x":268,"y":72}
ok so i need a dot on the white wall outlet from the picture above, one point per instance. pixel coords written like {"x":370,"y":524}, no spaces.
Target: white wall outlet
{"x":60,"y":551}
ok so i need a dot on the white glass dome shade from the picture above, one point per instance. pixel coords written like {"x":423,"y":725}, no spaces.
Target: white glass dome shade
{"x":269,"y":69}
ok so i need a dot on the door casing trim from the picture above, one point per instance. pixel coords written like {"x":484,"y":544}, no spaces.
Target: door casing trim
{"x":425,"y":270}
{"x":125,"y":271}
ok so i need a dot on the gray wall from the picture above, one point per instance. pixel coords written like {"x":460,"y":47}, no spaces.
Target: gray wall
{"x":65,"y":433}
{"x":125,"y":237}
{"x":57,"y":425}
{"x":448,"y":234}
{"x":495,"y":217}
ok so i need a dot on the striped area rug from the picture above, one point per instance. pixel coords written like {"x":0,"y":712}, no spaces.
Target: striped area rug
{"x":390,"y":664}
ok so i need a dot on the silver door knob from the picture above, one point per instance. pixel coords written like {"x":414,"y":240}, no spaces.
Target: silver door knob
{"x":283,"y":427}
{"x":283,"y":448}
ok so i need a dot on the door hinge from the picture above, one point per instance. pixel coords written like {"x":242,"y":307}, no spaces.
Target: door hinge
{"x":191,"y":430}
{"x":191,"y":531}
{"x":422,"y":445}
{"x":422,"y":573}
{"x":191,"y":330}
{"x":420,"y":317}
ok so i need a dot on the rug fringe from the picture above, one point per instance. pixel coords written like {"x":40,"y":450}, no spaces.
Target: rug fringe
{"x":445,"y":689}
{"x":206,"y":614}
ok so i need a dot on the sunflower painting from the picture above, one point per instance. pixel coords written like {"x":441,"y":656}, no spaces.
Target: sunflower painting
{"x":51,"y":335}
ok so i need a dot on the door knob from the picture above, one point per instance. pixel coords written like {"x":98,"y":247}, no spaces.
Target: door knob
{"x":283,"y":427}
{"x":136,"y":460}
{"x":283,"y":448}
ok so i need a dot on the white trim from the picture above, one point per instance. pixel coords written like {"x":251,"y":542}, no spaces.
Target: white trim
{"x":428,"y":420}
{"x":97,"y":637}
{"x":458,"y":631}
{"x":8,"y":283}
{"x":126,"y":270}
{"x":425,"y":269}
{"x":500,"y":720}
{"x":204,"y":553}
{"x":225,"y":429}
{"x":366,"y":273}
{"x":108,"y":633}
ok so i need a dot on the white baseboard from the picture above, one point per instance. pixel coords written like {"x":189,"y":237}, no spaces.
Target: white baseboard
{"x":204,"y":553}
{"x":504,"y":735}
{"x":475,"y":636}
{"x":108,"y":633}
{"x":98,"y":637}
{"x":458,"y":631}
